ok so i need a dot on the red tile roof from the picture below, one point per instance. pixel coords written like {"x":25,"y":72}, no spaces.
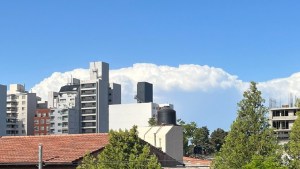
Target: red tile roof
{"x":188,"y":161}
{"x":56,"y":148}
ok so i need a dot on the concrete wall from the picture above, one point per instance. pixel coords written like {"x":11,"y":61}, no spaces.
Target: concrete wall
{"x":3,"y":95}
{"x":102,"y":107}
{"x":31,"y":109}
{"x":124,"y":116}
{"x":114,"y":94}
{"x":167,"y":138}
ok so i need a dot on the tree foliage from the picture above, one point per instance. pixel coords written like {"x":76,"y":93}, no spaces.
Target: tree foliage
{"x":294,"y":144}
{"x":124,"y":151}
{"x":267,"y":162}
{"x":250,"y":135}
{"x":217,"y":138}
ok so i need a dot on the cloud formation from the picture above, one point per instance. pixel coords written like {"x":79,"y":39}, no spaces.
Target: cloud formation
{"x":189,"y":78}
{"x":200,"y":93}
{"x":281,"y":88}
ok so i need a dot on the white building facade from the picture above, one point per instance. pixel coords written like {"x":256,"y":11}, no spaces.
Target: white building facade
{"x":125,"y":116}
{"x":21,"y":107}
{"x":65,"y":111}
{"x":3,"y":95}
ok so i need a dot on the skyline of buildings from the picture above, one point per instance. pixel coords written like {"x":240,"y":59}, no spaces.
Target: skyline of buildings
{"x":81,"y":106}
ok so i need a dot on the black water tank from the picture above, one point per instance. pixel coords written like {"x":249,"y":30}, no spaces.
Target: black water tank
{"x":166,"y":116}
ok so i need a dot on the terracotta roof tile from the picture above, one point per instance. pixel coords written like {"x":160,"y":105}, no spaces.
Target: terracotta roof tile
{"x":56,"y":148}
{"x":195,"y":161}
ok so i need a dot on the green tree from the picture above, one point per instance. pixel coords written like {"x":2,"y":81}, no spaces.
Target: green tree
{"x":294,"y":144}
{"x":250,"y":134}
{"x":152,"y":121}
{"x":188,"y":132}
{"x":124,"y":151}
{"x":260,"y":162}
{"x":217,"y":138}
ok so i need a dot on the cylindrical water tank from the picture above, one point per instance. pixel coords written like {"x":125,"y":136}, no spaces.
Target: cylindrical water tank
{"x":166,"y":116}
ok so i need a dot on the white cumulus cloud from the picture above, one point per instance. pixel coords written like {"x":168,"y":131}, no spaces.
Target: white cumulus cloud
{"x":187,"y":78}
{"x":281,"y":88}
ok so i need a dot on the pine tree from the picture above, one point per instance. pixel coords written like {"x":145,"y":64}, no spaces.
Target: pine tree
{"x":124,"y":151}
{"x":249,"y":136}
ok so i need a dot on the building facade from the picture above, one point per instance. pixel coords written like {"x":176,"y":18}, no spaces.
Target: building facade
{"x":21,"y":107}
{"x":168,"y":138}
{"x":65,"y":111}
{"x":3,"y":95}
{"x":96,"y":94}
{"x":282,"y":119}
{"x":42,"y":122}
{"x":125,"y":116}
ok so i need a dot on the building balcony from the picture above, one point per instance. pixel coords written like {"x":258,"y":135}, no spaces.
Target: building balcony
{"x":88,"y":130}
{"x":88,"y":125}
{"x":88,"y":105}
{"x":12,"y":116}
{"x":88,"y":99}
{"x":88,"y":92}
{"x":11,"y":111}
{"x":88,"y":112}
{"x":88,"y":86}
{"x":89,"y":118}
{"x":278,"y":118}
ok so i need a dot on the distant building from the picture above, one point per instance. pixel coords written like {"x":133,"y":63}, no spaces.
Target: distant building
{"x":125,"y":116}
{"x":21,"y":107}
{"x":42,"y":122}
{"x":168,"y":138}
{"x":3,"y":95}
{"x":282,"y":120}
{"x":144,"y":92}
{"x":65,"y":111}
{"x":96,"y":94}
{"x":114,"y":94}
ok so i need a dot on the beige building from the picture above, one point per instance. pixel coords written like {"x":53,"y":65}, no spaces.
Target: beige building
{"x":281,"y":118}
{"x":168,"y":138}
{"x":21,"y":107}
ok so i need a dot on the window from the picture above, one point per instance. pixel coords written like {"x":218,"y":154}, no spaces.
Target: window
{"x":36,"y":121}
{"x":23,"y":102}
{"x":47,"y":121}
{"x":59,"y":124}
{"x":42,"y":121}
{"x":36,"y":128}
{"x":42,"y":128}
{"x":23,"y":108}
{"x":23,"y":132}
{"x":58,"y":130}
{"x":23,"y":97}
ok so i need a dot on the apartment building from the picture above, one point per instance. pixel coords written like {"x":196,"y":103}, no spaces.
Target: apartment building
{"x":42,"y":122}
{"x":282,"y":119}
{"x":96,"y":94}
{"x":65,"y":110}
{"x":21,"y":107}
{"x":3,"y":95}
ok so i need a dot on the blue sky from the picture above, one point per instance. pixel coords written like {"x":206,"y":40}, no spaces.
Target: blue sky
{"x":255,"y":40}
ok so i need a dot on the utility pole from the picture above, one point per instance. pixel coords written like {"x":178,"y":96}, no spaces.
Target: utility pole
{"x":40,"y":156}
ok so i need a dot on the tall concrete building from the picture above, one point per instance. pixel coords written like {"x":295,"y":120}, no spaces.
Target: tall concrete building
{"x":3,"y":95}
{"x":21,"y":107}
{"x":94,"y":99}
{"x":65,"y":110}
{"x":144,"y":92}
